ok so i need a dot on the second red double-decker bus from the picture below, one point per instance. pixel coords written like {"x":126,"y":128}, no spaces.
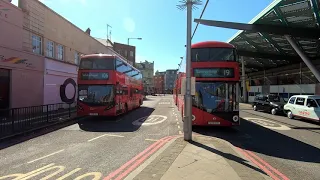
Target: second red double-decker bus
{"x":216,"y":70}
{"x":108,"y":86}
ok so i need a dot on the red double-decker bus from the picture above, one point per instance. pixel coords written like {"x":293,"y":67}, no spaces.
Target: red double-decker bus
{"x":216,"y":70}
{"x":108,"y":86}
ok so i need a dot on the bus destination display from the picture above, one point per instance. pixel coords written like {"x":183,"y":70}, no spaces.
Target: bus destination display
{"x":94,"y":76}
{"x":214,"y":72}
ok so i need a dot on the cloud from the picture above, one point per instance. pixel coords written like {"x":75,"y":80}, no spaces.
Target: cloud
{"x":129,"y":24}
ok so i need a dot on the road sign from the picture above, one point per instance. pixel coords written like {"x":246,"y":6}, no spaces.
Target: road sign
{"x":150,"y":120}
{"x":267,"y":123}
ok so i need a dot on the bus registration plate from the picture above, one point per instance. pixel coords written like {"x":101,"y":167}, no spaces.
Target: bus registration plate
{"x":213,"y":122}
{"x":93,"y":114}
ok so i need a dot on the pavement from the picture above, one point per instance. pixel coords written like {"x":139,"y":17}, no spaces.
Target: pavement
{"x":147,"y":143}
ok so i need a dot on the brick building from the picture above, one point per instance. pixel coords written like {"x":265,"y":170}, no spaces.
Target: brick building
{"x":127,"y":51}
{"x":39,"y":50}
{"x":158,"y":81}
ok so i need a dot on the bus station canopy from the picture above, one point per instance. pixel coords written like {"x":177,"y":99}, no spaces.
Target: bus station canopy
{"x":262,"y":41}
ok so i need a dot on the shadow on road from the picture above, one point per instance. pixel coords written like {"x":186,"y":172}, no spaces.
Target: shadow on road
{"x":5,"y":143}
{"x":148,"y":99}
{"x":115,"y":124}
{"x":227,"y":156}
{"x":255,"y":138}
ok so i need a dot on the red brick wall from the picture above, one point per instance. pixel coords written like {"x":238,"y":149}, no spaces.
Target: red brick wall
{"x":159,"y":83}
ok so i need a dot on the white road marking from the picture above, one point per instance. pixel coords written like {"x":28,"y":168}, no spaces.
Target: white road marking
{"x":178,"y":123}
{"x":178,"y":127}
{"x":150,"y":120}
{"x":46,"y":156}
{"x":267,"y":123}
{"x":151,"y":139}
{"x":112,"y":135}
{"x":180,"y":132}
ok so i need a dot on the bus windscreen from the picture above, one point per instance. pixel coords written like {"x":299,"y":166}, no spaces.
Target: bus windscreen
{"x":96,"y":94}
{"x":97,"y":63}
{"x":212,"y":54}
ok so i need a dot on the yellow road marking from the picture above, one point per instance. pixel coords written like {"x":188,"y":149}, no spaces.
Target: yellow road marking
{"x":97,"y":176}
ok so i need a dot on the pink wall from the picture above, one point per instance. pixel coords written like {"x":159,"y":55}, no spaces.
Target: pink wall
{"x":26,"y":77}
{"x":11,"y":19}
{"x":55,"y":74}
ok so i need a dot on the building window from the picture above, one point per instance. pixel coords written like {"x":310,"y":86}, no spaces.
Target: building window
{"x":36,"y":44}
{"x":125,"y":53}
{"x":59,"y":52}
{"x":76,"y":57}
{"x":50,"y":49}
{"x":131,"y":53}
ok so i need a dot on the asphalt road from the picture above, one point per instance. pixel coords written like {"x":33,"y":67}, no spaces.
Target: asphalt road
{"x":290,"y":146}
{"x":94,"y":147}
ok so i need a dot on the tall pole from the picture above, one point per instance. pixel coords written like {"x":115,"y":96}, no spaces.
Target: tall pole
{"x":187,"y":124}
{"x":128,"y":40}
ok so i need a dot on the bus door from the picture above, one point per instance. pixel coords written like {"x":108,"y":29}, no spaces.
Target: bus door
{"x":118,"y":98}
{"x":198,"y":107}
{"x":124,"y":98}
{"x":131,"y":98}
{"x":215,"y":100}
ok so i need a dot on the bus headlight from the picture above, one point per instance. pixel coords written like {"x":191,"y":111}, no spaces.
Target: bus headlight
{"x":235,"y":118}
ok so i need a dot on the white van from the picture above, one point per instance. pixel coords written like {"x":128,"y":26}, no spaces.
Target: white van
{"x":303,"y":106}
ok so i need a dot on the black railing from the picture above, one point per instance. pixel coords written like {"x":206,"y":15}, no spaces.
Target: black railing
{"x":19,"y":120}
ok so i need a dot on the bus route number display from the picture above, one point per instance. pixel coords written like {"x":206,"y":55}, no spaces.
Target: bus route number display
{"x":214,"y":73}
{"x":94,"y":76}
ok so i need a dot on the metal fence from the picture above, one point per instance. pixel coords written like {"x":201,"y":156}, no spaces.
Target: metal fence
{"x":19,"y":120}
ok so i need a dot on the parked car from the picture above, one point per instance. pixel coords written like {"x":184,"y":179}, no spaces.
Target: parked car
{"x":268,"y":102}
{"x":303,"y":106}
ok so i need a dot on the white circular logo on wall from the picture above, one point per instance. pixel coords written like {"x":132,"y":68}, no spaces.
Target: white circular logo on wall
{"x":193,"y":117}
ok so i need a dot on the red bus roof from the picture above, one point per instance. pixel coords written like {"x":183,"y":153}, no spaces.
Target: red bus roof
{"x":109,"y":55}
{"x":213,"y":44}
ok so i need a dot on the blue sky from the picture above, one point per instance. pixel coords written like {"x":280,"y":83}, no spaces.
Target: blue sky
{"x":161,"y":25}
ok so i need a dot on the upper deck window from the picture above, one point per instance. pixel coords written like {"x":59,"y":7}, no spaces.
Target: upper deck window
{"x":213,"y":54}
{"x":101,"y":63}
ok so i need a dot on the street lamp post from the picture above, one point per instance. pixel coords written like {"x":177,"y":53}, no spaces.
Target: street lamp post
{"x":187,"y":123}
{"x":133,"y":38}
